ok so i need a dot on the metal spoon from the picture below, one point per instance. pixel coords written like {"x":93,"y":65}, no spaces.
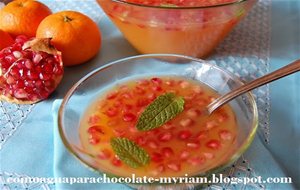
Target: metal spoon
{"x":282,"y":72}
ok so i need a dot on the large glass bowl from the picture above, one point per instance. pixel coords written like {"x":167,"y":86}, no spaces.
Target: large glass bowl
{"x":84,"y":92}
{"x":192,"y":31}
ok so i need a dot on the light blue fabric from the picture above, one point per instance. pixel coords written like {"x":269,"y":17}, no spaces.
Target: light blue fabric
{"x":36,"y":150}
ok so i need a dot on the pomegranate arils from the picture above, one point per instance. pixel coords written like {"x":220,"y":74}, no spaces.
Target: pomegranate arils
{"x":167,"y":152}
{"x":173,"y":166}
{"x":156,"y":157}
{"x":225,"y":135}
{"x":196,"y":160}
{"x":116,"y":162}
{"x":184,"y":155}
{"x":164,"y":137}
{"x":213,"y":144}
{"x":184,"y":134}
{"x":186,"y":122}
{"x":128,"y":117}
{"x":33,"y":68}
{"x":156,"y":81}
{"x":104,"y":154}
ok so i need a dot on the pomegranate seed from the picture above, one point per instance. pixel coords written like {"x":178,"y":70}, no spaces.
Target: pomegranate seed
{"x":173,"y":166}
{"x":192,"y":145}
{"x":44,"y":76}
{"x":143,"y":82}
{"x":152,"y":144}
{"x":95,"y":129}
{"x":211,"y":124}
{"x":197,"y":89}
{"x":141,"y":140}
{"x":127,"y":108}
{"x":111,"y":112}
{"x":104,"y":154}
{"x":128,"y":117}
{"x":10,"y":80}
{"x":193,"y":113}
{"x":213,"y":144}
{"x":139,"y":90}
{"x":94,"y":139}
{"x":160,"y":168}
{"x":10,"y":58}
{"x":119,"y":133}
{"x":157,"y":81}
{"x":168,"y":126}
{"x":170,"y":83}
{"x":156,"y":157}
{"x":57,"y":71}
{"x":37,"y":58}
{"x":116,"y":162}
{"x":184,"y":134}
{"x":186,"y":122}
{"x":184,"y":84}
{"x":28,"y":64}
{"x":201,"y":135}
{"x":32,"y":74}
{"x":164,"y":137}
{"x":20,"y":93}
{"x":222,"y":118}
{"x":157,"y":88}
{"x":208,"y":155}
{"x":167,"y":152}
{"x":202,"y":102}
{"x":151,"y":96}
{"x":196,"y":160}
{"x":184,"y":155}
{"x":94,"y":119}
{"x":48,"y":68}
{"x":21,"y":39}
{"x":142,"y":102}
{"x":112,"y":95}
{"x":225,"y":135}
{"x":17,"y":54}
{"x":126,"y":95}
{"x":47,"y":83}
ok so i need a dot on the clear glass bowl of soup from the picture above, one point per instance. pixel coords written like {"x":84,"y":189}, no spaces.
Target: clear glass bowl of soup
{"x":192,"y":28}
{"x":108,"y":102}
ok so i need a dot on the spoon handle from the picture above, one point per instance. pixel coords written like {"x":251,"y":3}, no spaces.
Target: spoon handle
{"x":282,"y":72}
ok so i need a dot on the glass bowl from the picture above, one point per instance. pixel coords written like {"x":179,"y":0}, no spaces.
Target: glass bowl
{"x":191,"y":31}
{"x":86,"y":90}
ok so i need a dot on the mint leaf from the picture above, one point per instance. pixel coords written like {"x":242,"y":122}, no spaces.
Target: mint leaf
{"x":160,"y":111}
{"x":129,"y":152}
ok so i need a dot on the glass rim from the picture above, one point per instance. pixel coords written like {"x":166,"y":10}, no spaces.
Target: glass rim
{"x":232,"y":158}
{"x":179,"y":8}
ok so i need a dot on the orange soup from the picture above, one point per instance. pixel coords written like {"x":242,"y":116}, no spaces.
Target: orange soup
{"x":189,"y":143}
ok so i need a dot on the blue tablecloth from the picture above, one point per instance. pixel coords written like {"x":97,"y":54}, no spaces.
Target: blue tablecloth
{"x":35,"y":149}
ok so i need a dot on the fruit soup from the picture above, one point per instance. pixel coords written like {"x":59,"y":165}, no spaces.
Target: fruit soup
{"x":192,"y":32}
{"x":187,"y":142}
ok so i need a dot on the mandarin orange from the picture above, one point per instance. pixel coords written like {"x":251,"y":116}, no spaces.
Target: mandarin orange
{"x":74,"y":34}
{"x":22,"y":17}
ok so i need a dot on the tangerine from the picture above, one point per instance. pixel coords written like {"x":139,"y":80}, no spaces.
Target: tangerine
{"x":5,"y":39}
{"x":22,"y":17}
{"x":74,"y":34}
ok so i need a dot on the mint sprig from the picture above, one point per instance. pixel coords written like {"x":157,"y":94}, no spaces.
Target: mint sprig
{"x":129,"y":152}
{"x":160,"y":111}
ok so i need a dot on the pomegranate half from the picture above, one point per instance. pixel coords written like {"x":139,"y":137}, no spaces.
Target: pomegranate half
{"x":30,"y":70}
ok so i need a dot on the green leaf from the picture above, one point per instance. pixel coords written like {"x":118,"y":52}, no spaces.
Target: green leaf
{"x":160,"y":111}
{"x":129,"y":152}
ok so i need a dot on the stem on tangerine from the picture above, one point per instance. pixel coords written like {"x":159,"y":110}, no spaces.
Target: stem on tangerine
{"x":67,"y":19}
